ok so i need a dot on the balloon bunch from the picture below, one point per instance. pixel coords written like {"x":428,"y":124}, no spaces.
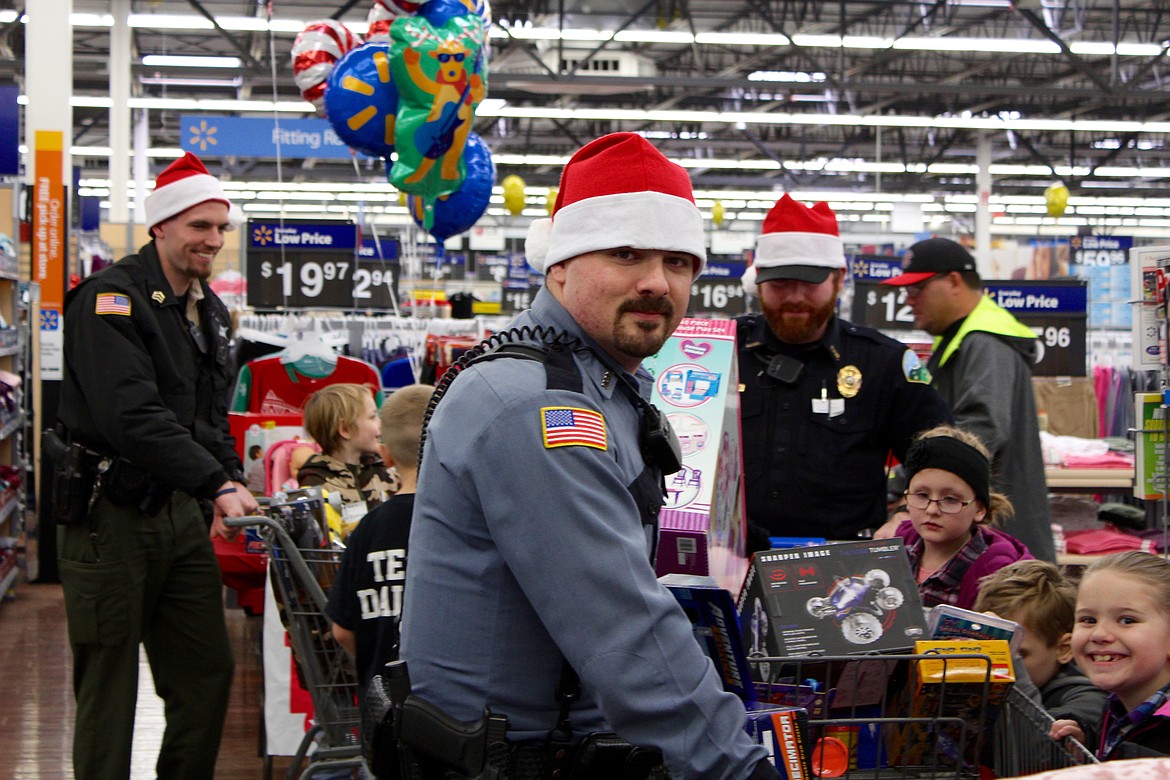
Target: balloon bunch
{"x":411,"y":87}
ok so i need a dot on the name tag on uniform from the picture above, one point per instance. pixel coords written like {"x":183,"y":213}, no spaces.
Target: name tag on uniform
{"x":830,"y":406}
{"x":352,"y":513}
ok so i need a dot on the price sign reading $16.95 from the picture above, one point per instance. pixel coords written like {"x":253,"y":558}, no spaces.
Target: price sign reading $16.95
{"x":713,"y":295}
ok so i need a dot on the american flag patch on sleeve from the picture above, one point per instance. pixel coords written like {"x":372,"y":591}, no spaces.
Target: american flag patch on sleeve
{"x":112,"y":303}
{"x":567,"y":426}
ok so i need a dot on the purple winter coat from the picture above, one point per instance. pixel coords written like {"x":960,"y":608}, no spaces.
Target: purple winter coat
{"x":1002,"y":549}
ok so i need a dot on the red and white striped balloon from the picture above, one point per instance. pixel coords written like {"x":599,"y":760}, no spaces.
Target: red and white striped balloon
{"x":315,"y":51}
{"x":383,"y":14}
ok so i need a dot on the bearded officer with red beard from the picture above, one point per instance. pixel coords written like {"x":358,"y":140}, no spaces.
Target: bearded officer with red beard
{"x":823,"y":402}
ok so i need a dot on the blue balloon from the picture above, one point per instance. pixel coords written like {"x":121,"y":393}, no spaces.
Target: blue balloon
{"x":439,"y":12}
{"x":361,"y":100}
{"x":461,"y":209}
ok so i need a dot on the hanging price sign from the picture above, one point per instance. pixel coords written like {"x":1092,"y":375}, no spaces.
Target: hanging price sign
{"x":314,"y":265}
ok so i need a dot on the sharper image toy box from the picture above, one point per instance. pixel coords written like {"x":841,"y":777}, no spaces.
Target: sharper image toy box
{"x":836,"y":599}
{"x":702,"y":527}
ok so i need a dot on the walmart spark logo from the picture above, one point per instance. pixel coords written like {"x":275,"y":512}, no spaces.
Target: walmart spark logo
{"x":860,"y":269}
{"x":202,"y":135}
{"x":361,"y":88}
{"x":262,"y":235}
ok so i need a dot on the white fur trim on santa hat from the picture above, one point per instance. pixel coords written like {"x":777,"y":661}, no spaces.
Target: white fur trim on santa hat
{"x":639,"y":220}
{"x":748,"y":280}
{"x":816,"y":249}
{"x":172,"y":199}
{"x":536,"y":242}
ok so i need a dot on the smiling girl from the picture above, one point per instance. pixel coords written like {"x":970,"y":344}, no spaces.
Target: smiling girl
{"x":951,"y":506}
{"x":1121,"y":641}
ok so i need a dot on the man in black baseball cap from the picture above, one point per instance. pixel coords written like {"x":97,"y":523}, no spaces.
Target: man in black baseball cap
{"x":982,"y":366}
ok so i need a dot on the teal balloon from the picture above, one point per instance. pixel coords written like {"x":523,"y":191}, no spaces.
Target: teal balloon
{"x":460,"y":210}
{"x":361,"y":100}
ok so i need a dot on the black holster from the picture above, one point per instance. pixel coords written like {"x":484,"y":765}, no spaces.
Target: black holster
{"x":124,"y":484}
{"x":73,"y":471}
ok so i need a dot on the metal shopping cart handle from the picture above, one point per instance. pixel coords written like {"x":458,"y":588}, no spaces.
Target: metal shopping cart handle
{"x":247,"y":520}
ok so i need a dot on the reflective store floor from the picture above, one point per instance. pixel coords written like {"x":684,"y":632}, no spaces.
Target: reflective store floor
{"x":36,"y":697}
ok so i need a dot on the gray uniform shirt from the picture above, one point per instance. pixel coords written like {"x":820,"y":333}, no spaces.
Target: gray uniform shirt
{"x":523,"y":555}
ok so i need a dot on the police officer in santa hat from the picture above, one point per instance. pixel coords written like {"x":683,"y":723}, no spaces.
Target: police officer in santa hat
{"x":824,"y":402}
{"x":144,"y":402}
{"x":531,"y":588}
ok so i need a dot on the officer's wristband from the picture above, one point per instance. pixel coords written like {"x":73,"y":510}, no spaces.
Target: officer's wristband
{"x":224,"y":492}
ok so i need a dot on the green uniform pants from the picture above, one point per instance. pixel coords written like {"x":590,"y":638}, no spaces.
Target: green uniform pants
{"x":132,"y":578}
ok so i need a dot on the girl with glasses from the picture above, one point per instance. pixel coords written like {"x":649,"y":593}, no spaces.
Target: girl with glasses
{"x":949,"y":536}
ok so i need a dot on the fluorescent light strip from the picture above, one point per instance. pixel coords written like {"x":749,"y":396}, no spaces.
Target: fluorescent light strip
{"x":985,"y":45}
{"x":181,"y":61}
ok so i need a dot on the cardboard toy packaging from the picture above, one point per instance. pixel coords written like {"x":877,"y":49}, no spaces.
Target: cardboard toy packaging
{"x":784,"y":732}
{"x":955,"y":702}
{"x":702,"y":527}
{"x":711,"y":610}
{"x":836,"y":599}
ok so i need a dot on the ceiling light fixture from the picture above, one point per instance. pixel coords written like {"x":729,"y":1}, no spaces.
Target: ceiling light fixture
{"x":185,"y":61}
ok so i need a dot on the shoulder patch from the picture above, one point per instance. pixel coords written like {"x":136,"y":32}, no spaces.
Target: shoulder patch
{"x":112,"y":303}
{"x":570,"y":426}
{"x":914,"y":369}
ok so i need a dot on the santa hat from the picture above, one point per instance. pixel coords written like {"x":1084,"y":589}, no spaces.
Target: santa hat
{"x":797,"y":242}
{"x":618,"y":191}
{"x":185,"y":183}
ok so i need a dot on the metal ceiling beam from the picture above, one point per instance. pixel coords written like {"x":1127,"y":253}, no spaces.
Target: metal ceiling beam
{"x":1076,"y":61}
{"x":245,"y":54}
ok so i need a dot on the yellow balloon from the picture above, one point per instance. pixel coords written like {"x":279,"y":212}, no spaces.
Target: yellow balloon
{"x":550,"y":202}
{"x":513,"y":194}
{"x":1056,"y":199}
{"x":717,"y":213}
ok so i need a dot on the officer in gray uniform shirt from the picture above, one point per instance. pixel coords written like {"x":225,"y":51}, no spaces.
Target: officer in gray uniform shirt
{"x":531,"y":588}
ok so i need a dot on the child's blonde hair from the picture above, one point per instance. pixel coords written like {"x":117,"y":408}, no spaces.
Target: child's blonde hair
{"x":402,"y":417}
{"x":1154,"y":570}
{"x":330,"y":407}
{"x":999,"y":506}
{"x":1033,"y":593}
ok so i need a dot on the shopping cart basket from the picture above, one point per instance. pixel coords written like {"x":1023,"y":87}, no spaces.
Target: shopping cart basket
{"x":1022,"y":744}
{"x":910,"y":716}
{"x":302,"y":563}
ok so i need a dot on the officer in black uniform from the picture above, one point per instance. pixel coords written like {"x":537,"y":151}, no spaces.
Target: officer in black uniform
{"x":144,"y":398}
{"x":823,"y":402}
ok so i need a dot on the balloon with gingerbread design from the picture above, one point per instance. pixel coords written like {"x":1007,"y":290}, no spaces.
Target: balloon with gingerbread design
{"x":441,"y":78}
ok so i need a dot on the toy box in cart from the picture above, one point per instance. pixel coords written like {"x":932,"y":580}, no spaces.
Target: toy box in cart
{"x":836,"y":599}
{"x":959,"y":692}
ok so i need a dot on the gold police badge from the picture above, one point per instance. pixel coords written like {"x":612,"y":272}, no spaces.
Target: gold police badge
{"x":848,"y":381}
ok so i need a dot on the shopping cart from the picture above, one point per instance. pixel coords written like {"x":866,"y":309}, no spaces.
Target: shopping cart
{"x":912,"y":716}
{"x":1022,"y":744}
{"x":302,"y":563}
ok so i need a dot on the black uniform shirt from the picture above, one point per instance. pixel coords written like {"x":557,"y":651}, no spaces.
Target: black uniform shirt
{"x":815,"y":450}
{"x":139,"y":384}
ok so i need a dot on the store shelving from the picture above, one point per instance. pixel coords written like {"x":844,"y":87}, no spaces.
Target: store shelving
{"x":12,"y":366}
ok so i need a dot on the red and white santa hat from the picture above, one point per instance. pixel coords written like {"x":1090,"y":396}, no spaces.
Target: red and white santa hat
{"x":797,"y":242}
{"x":186,"y":183}
{"x":618,"y":191}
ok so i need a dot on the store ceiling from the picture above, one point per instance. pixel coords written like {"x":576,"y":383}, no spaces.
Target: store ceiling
{"x":839,"y":120}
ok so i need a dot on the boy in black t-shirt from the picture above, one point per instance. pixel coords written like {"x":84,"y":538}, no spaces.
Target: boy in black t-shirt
{"x":365,"y":603}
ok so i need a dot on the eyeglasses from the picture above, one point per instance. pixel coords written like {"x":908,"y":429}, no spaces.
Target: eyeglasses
{"x":444,"y":57}
{"x":916,"y":289}
{"x":948,"y":505}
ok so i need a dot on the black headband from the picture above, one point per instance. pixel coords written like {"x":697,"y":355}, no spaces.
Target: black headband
{"x":949,"y":454}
